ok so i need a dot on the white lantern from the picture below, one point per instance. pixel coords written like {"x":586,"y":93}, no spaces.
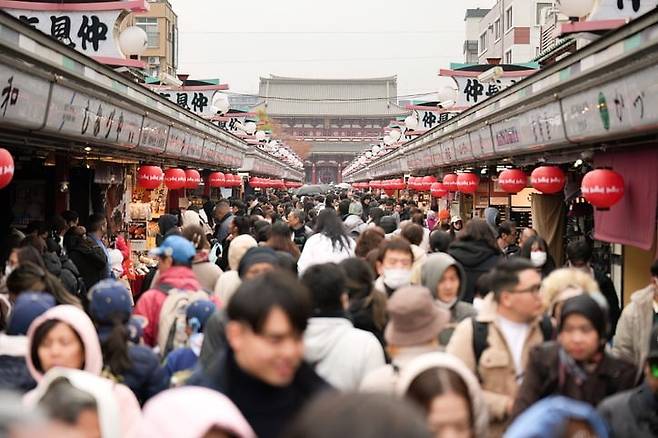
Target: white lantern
{"x":221,"y":103}
{"x":576,"y":8}
{"x":388,"y":140}
{"x":376,"y":149}
{"x":368,"y":154}
{"x":447,"y":93}
{"x":250,"y":128}
{"x":411,"y":122}
{"x":272,"y":144}
{"x":133,"y":41}
{"x":395,"y":134}
{"x":261,"y":135}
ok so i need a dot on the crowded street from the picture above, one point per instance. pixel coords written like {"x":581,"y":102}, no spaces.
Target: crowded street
{"x":329,"y":219}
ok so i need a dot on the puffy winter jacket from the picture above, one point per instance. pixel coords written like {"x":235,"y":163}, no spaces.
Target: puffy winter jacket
{"x":476,"y":258}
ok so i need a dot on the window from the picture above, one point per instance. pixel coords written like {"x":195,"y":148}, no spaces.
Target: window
{"x":541,"y":8}
{"x":508,"y":57}
{"x":483,"y":42}
{"x":150,"y":26}
{"x":497,"y":30}
{"x":508,"y":19}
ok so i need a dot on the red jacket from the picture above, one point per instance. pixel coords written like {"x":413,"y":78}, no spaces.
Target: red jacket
{"x":150,"y":303}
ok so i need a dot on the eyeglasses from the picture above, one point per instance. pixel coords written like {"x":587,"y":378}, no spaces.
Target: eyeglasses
{"x":534,"y":289}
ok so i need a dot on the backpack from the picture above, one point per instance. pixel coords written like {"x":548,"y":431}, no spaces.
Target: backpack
{"x":481,"y":334}
{"x":172,"y":321}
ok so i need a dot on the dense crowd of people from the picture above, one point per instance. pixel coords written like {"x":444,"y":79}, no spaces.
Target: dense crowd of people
{"x":344,"y":314}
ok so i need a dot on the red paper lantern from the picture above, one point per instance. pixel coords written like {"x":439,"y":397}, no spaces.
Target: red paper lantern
{"x":174,"y":179}
{"x":437,"y":190}
{"x":548,"y":179}
{"x":254,"y":182}
{"x":398,"y":184}
{"x":426,"y":183}
{"x":450,"y":182}
{"x":235,"y":181}
{"x":192,"y":179}
{"x":216,"y":179}
{"x":602,"y":188}
{"x":411,"y":183}
{"x":6,"y":168}
{"x":389,"y":192}
{"x":468,"y":182}
{"x":149,"y":177}
{"x":512,"y":180}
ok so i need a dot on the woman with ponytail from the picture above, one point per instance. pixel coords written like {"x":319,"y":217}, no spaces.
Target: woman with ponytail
{"x":137,"y":367}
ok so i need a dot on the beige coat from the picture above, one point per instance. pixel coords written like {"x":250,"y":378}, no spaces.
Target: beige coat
{"x":384,"y":379}
{"x":631,"y":341}
{"x":496,"y":368}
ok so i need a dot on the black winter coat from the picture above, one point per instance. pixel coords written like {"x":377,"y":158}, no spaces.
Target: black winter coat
{"x":476,"y":258}
{"x":146,"y":378}
{"x":14,"y":375}
{"x":632,"y":413}
{"x":90,"y":260}
{"x":268,"y":409}
{"x":63,"y":268}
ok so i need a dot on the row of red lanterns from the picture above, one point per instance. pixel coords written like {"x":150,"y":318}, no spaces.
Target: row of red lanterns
{"x":267,"y":183}
{"x":151,"y":177}
{"x":602,"y":188}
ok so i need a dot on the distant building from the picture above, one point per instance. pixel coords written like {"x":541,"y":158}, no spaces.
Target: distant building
{"x":337,"y":117}
{"x":161,"y":26}
{"x":509,"y":33}
{"x":472,"y":20}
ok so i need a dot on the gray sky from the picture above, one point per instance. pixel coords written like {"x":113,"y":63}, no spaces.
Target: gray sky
{"x":239,"y":41}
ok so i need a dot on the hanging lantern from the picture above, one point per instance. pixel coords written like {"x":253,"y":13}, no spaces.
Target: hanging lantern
{"x":216,"y":179}
{"x":192,"y":179}
{"x":467,"y":182}
{"x":6,"y":168}
{"x":548,"y":179}
{"x":237,"y":181}
{"x":411,"y":183}
{"x":389,"y":192}
{"x":174,"y":179}
{"x":602,"y":188}
{"x":149,"y":177}
{"x":512,"y":180}
{"x":450,"y":182}
{"x":254,"y":182}
{"x":426,"y":183}
{"x":398,"y":184}
{"x":437,"y":190}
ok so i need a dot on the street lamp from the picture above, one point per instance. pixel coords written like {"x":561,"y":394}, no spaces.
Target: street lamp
{"x":576,"y":8}
{"x":133,"y":41}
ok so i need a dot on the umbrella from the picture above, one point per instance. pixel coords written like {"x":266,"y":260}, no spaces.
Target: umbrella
{"x":315,"y":189}
{"x":343,"y":186}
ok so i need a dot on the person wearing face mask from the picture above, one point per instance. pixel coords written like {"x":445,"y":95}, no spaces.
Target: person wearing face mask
{"x":576,"y":365}
{"x":443,"y":275}
{"x":394,"y":265}
{"x":535,"y":249}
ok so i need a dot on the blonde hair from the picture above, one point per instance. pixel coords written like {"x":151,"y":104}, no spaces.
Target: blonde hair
{"x":563,"y":279}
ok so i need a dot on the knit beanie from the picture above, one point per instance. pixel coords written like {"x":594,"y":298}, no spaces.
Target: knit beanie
{"x":591,"y":307}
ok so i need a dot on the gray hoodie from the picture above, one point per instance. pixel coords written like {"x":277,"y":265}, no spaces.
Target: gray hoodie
{"x":430,"y":275}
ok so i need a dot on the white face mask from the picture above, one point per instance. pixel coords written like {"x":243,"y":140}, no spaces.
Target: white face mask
{"x":538,"y":258}
{"x":8,"y":269}
{"x":397,"y":278}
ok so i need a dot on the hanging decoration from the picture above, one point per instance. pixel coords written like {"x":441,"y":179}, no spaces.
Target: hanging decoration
{"x":512,"y":180}
{"x":438,"y":190}
{"x":602,"y":188}
{"x":175,"y":179}
{"x":216,"y":179}
{"x":192,"y":179}
{"x":548,"y":179}
{"x":6,"y":168}
{"x":467,"y":182}
{"x":450,"y":182}
{"x":149,"y":177}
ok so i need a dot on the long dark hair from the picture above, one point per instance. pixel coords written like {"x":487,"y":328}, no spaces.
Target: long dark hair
{"x":40,"y":334}
{"x":330,"y":225}
{"x":31,"y":277}
{"x":526,"y":249}
{"x":115,"y":347}
{"x":478,"y":230}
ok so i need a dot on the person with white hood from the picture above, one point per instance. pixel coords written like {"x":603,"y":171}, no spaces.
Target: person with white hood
{"x":199,"y":413}
{"x":65,"y":337}
{"x":340,"y":353}
{"x":448,"y":392}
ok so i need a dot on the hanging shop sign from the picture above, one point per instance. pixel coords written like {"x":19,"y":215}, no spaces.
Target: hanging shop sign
{"x":22,"y":101}
{"x":153,"y":139}
{"x":232,"y":124}
{"x":482,"y":143}
{"x":470,"y":91}
{"x":621,"y":9}
{"x":529,"y":130}
{"x":74,"y":113}
{"x":463,"y":148}
{"x":198,"y":102}
{"x":91,"y":31}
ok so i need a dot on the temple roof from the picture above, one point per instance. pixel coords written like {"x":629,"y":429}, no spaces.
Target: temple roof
{"x":364,"y":97}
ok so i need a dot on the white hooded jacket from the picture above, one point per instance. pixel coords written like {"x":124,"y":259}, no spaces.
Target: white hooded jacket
{"x":340,"y":353}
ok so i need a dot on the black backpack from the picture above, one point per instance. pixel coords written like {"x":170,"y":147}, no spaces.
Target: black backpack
{"x":481,"y":334}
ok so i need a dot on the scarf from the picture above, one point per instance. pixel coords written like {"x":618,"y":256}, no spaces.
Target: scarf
{"x":568,"y":366}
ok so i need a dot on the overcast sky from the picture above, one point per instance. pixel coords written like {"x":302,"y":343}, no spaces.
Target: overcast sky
{"x":240,"y":41}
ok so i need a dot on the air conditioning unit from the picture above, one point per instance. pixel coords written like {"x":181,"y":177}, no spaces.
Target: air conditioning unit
{"x":154,"y":60}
